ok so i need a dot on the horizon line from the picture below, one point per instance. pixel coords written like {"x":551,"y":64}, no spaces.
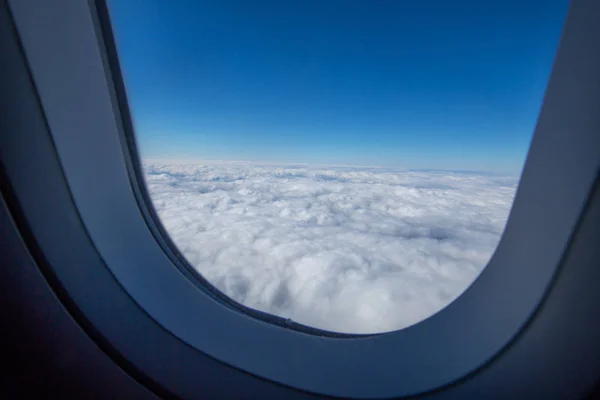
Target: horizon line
{"x":195,"y":161}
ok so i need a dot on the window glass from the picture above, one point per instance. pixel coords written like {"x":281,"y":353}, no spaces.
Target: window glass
{"x":349,"y":165}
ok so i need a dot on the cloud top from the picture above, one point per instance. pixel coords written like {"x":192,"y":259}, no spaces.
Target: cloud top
{"x":355,"y":250}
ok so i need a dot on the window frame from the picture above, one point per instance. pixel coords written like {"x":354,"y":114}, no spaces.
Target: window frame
{"x":69,"y":67}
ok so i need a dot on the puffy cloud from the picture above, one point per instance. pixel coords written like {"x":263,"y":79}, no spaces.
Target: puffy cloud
{"x":355,"y":250}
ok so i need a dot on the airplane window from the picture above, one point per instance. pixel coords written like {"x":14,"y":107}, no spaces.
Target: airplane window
{"x":348,"y":165}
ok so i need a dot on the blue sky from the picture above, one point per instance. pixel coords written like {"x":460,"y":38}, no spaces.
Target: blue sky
{"x":414,"y":84}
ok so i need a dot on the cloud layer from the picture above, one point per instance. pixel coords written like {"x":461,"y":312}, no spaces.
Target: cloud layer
{"x":356,"y":250}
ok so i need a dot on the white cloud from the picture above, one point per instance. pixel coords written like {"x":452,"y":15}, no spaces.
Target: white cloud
{"x":355,"y":250}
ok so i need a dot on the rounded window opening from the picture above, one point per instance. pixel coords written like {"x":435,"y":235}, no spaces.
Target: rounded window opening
{"x":346,"y":165}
